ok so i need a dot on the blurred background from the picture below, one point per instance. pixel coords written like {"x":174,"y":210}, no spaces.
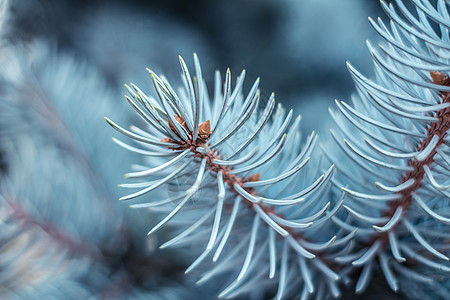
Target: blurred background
{"x":298,"y":48}
{"x":64,"y":235}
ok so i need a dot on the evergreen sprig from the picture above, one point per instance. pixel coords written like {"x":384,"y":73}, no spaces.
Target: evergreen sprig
{"x":258,"y":210}
{"x":394,"y":158}
{"x":247,"y":184}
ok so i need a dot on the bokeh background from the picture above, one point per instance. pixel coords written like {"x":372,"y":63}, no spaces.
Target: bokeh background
{"x":298,"y":48}
{"x":64,"y":235}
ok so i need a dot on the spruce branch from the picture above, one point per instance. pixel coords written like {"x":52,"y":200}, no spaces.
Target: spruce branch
{"x":395,"y":140}
{"x":246,"y":169}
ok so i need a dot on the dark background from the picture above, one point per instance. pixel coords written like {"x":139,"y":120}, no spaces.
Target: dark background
{"x":298,"y":48}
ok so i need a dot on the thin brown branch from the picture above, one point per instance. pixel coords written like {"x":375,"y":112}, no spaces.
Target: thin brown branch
{"x":438,"y":128}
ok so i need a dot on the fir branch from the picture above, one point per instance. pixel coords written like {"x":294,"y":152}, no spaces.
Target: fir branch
{"x":231,"y":151}
{"x":399,"y":149}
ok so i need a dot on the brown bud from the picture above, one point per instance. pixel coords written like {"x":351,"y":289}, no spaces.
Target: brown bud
{"x":204,"y":130}
{"x":440,"y":78}
{"x":254,"y":177}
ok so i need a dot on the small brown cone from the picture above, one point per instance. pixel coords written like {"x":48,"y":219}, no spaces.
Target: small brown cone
{"x":204,"y":130}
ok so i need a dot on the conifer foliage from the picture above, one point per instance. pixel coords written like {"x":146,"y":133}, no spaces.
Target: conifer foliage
{"x":224,"y":178}
{"x":395,"y":140}
{"x":392,"y":164}
{"x":249,"y":188}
